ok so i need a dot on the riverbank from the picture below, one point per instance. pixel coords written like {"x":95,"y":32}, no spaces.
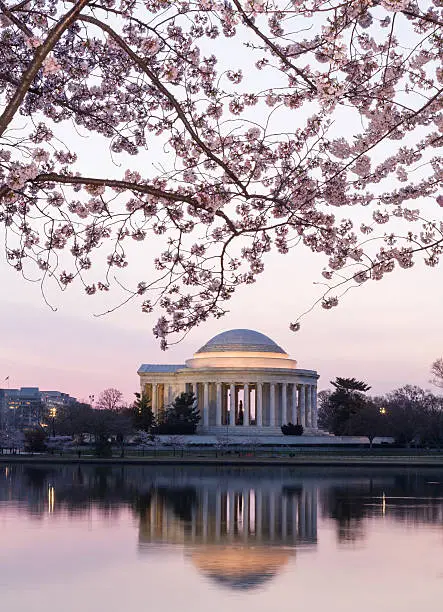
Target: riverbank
{"x":399,"y":457}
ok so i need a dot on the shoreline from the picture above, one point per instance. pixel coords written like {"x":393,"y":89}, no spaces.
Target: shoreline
{"x":338,"y":460}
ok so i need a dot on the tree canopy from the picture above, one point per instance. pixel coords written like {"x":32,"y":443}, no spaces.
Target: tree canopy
{"x":110,"y":399}
{"x":415,"y":416}
{"x":317,"y":107}
{"x":339,"y":409}
{"x":181,"y":417}
{"x":410,"y":415}
{"x":349,"y":384}
{"x":143,"y":417}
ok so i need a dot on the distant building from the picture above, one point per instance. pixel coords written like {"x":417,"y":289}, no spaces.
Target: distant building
{"x":27,"y":406}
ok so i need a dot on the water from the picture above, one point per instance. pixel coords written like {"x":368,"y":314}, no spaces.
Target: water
{"x":108,"y":539}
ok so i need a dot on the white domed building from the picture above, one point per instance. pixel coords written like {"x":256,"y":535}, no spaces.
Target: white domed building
{"x":242,"y":380}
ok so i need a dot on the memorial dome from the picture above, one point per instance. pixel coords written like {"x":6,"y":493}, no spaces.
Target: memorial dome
{"x":241,"y":349}
{"x":244,"y":340}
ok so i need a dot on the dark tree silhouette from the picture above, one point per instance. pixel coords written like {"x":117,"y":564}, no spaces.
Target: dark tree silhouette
{"x":349,"y":384}
{"x":338,"y":409}
{"x":143,"y":417}
{"x":182,"y":417}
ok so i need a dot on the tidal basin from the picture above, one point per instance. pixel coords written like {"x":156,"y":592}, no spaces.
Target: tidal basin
{"x":114,"y":538}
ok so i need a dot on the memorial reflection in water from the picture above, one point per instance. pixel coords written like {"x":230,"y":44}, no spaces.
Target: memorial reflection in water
{"x":237,"y":527}
{"x":238,"y":535}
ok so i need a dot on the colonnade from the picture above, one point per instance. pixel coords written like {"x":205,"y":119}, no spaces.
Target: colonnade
{"x":260,"y":404}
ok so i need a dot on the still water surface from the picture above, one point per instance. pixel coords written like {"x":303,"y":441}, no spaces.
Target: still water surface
{"x":108,"y":539}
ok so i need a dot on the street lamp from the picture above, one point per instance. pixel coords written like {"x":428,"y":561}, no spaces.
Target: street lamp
{"x":383,"y":410}
{"x":53,"y":414}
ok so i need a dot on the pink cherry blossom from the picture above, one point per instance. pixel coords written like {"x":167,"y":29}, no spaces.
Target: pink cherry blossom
{"x":51,"y":66}
{"x":320,"y":129}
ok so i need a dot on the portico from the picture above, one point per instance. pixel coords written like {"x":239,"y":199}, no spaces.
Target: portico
{"x":242,"y":380}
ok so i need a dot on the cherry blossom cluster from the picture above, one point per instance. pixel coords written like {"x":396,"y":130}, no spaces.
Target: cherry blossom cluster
{"x":268,"y":116}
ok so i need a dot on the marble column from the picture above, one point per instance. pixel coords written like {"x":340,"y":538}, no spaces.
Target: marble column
{"x":218,"y":408}
{"x":232,"y":405}
{"x":246,"y":413}
{"x":308,"y":406}
{"x":284,"y":403}
{"x":314,"y":406}
{"x":301,"y":399}
{"x":197,"y":395}
{"x":272,"y":405}
{"x":259,"y":404}
{"x":294,"y":404}
{"x":154,"y":399}
{"x":206,"y":404}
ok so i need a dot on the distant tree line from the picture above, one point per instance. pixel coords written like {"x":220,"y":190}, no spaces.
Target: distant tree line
{"x":109,"y":422}
{"x":410,"y":415}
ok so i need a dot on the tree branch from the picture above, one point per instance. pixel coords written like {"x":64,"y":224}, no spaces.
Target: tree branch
{"x":14,"y":20}
{"x":276,"y":50}
{"x":147,"y":189}
{"x":40,"y":55}
{"x":144,"y":67}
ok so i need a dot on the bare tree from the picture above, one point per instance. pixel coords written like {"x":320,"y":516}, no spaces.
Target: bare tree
{"x":110,"y":399}
{"x":437,"y":373}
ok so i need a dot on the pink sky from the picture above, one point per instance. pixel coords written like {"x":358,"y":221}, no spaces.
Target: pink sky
{"x":387,"y":333}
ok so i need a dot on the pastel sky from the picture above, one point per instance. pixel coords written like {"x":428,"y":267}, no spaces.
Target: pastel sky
{"x":387,"y":332}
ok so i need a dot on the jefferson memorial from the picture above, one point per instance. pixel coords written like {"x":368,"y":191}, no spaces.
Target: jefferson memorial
{"x":242,"y":381}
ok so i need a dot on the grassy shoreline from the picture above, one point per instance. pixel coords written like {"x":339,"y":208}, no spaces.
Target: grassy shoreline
{"x":402,"y":458}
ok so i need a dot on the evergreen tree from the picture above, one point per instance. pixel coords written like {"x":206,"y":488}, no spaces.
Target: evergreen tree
{"x":343,"y":404}
{"x":143,"y":417}
{"x":182,"y":417}
{"x":349,"y":384}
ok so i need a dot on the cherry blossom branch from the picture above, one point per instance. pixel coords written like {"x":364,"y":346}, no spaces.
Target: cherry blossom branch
{"x":14,"y":19}
{"x":428,"y":18}
{"x":274,"y":48}
{"x":40,"y":55}
{"x":137,"y":187}
{"x":143,"y":65}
